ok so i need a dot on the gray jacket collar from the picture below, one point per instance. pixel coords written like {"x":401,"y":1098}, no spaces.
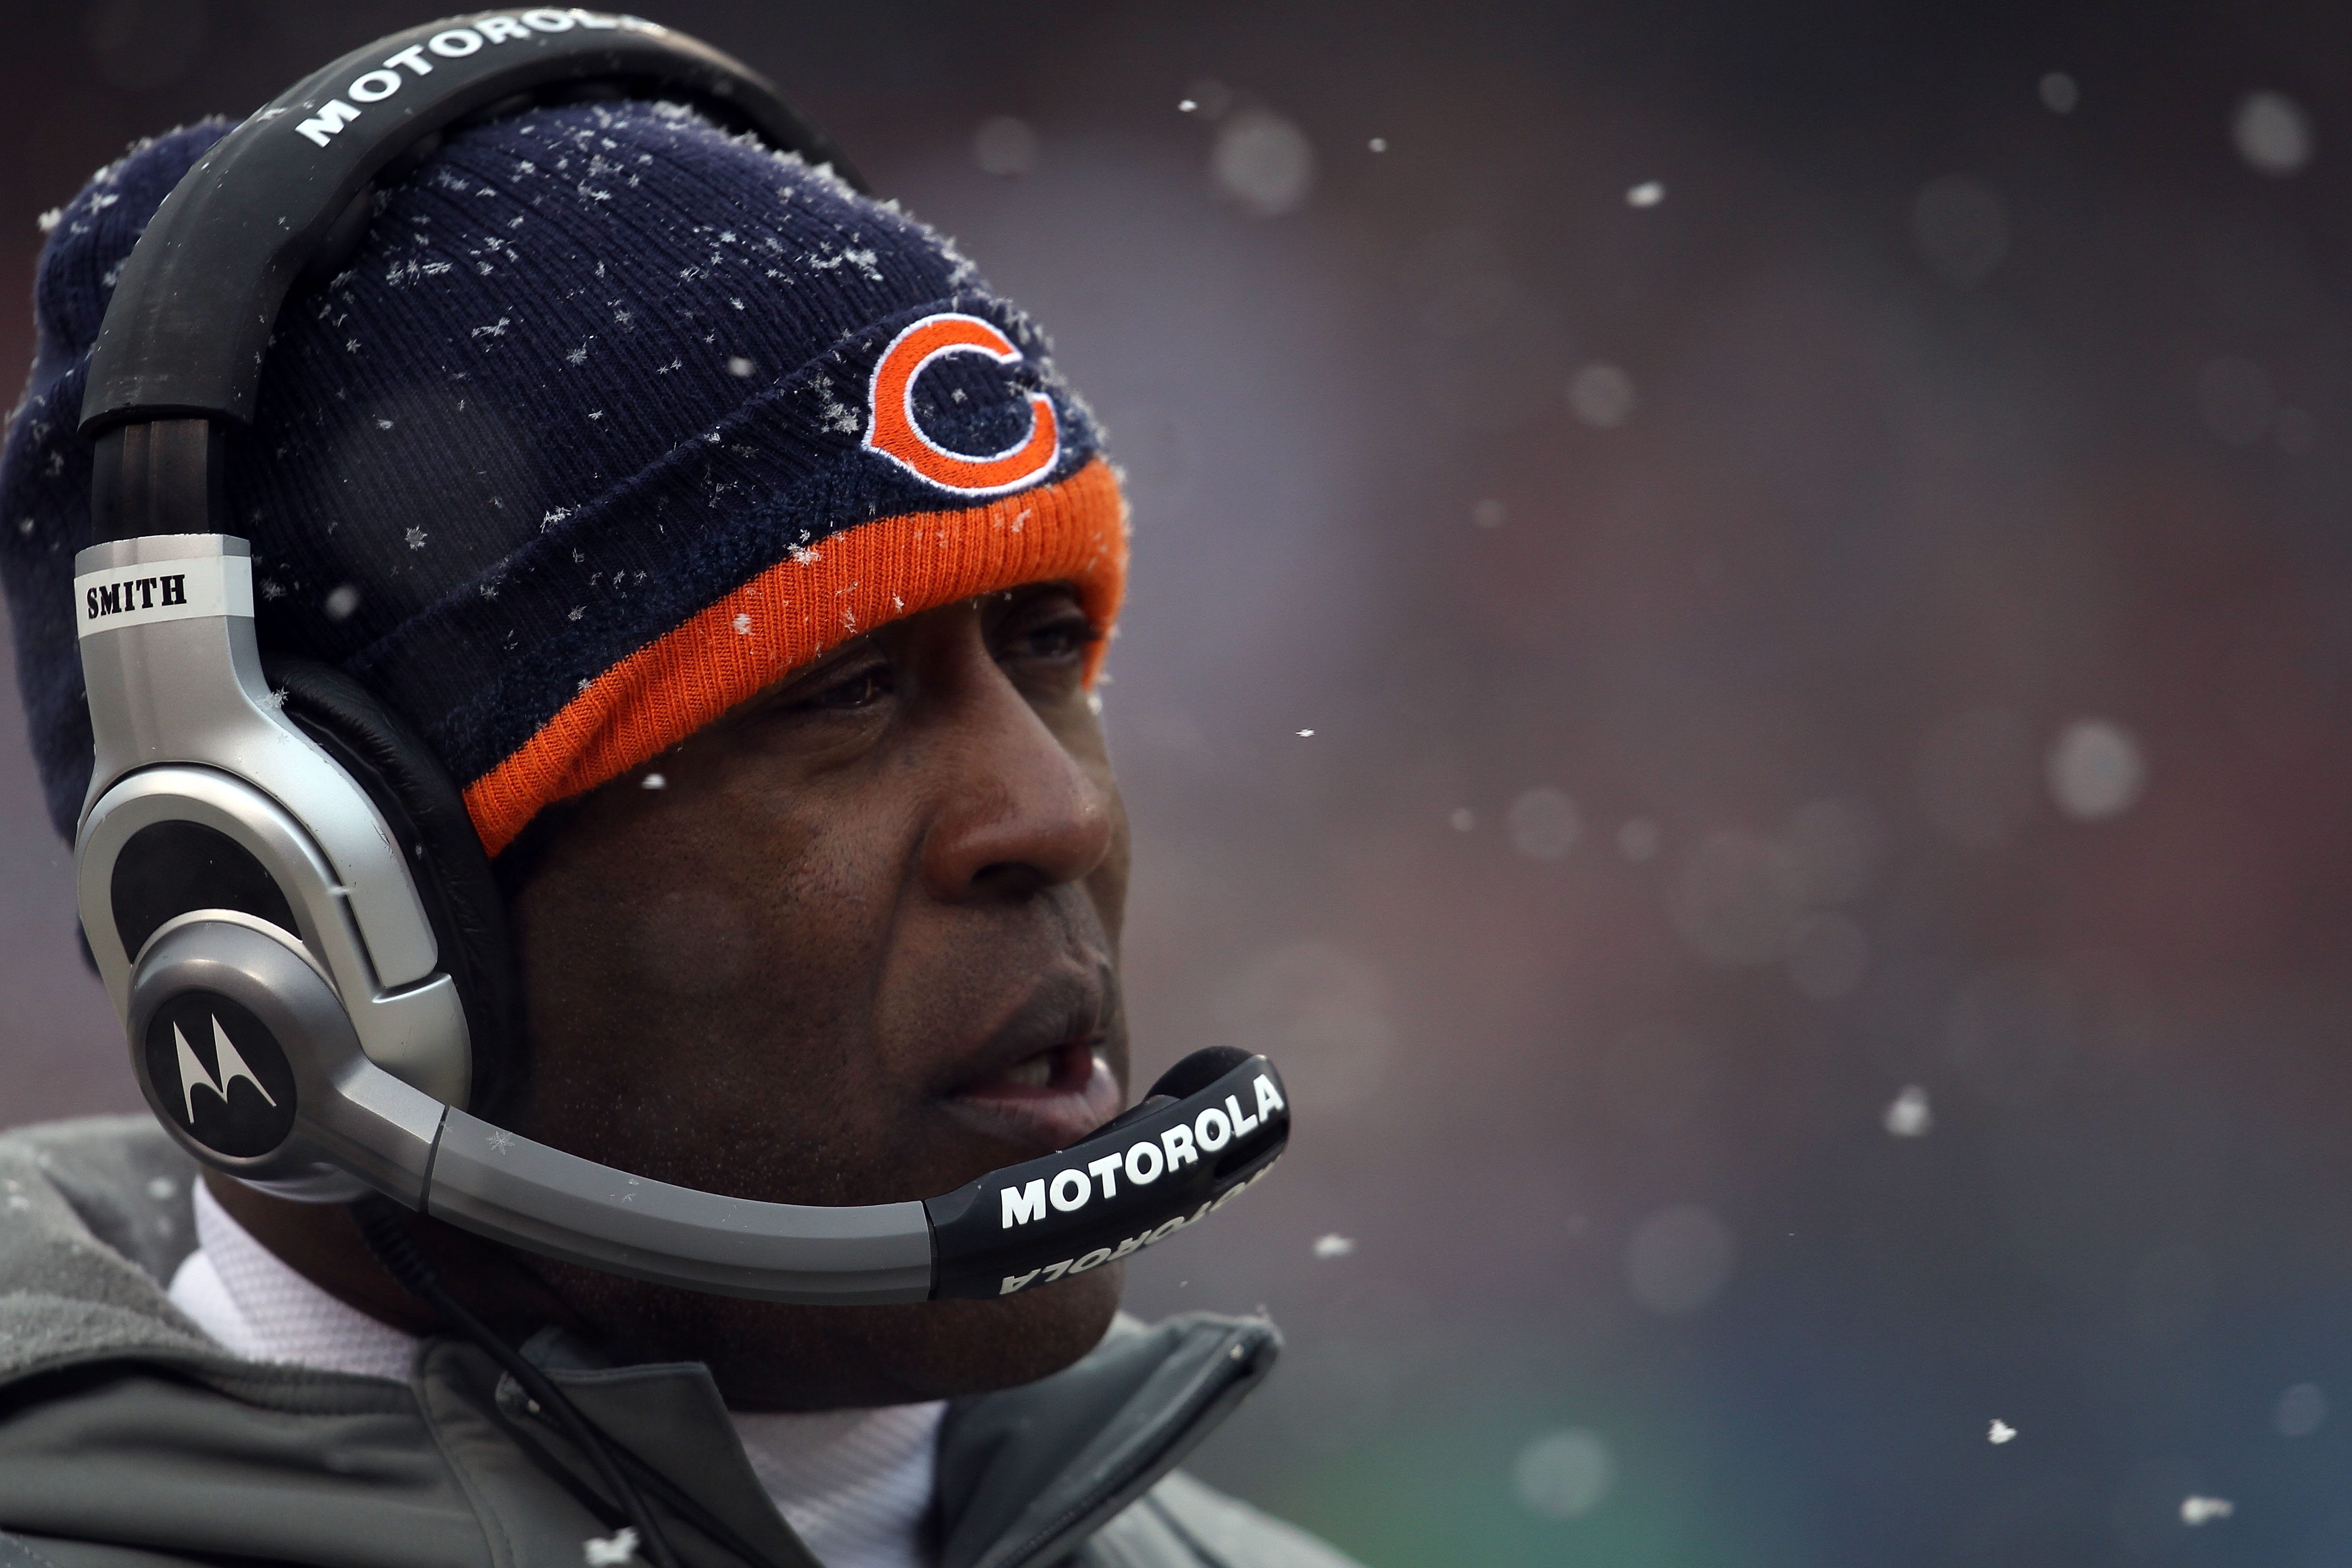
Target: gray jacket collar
{"x":95,"y":1216}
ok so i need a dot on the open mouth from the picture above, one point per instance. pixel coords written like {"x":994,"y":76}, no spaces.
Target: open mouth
{"x":1045,"y":1101}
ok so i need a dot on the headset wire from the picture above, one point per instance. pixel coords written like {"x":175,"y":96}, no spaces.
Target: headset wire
{"x":379,"y":1226}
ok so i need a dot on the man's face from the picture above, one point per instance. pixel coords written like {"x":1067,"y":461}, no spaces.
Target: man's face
{"x":859,"y":943}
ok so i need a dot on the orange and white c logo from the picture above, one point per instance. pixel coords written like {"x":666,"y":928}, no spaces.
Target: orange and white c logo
{"x":890,"y":427}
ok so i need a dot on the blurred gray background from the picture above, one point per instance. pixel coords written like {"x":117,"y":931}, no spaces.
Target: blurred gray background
{"x":1811,"y":929}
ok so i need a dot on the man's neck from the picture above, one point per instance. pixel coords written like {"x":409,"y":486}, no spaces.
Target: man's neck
{"x":253,"y":1301}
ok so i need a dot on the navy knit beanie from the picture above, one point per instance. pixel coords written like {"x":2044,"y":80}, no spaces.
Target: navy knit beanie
{"x":613,"y":420}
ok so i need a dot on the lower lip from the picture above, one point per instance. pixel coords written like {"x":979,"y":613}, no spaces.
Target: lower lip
{"x":1047,"y":1116}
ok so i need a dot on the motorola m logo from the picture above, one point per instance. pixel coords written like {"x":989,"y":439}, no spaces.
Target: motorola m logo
{"x":192,"y":1075}
{"x":239,"y":1099}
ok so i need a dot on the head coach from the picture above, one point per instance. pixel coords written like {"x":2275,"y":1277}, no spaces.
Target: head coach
{"x":576,"y":712}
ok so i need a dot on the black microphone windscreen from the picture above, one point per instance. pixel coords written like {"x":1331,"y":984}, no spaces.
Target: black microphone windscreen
{"x":1197,"y":1071}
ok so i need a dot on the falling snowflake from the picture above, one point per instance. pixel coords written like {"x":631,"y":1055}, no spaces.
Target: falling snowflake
{"x":2001,"y":1431}
{"x":1908,"y":1115}
{"x":416,"y":537}
{"x":1648,"y":193}
{"x":615,"y":1551}
{"x":2196,"y":1511}
{"x":1304,"y":733}
{"x":653,"y":781}
{"x":1334,"y":1246}
{"x":743,"y":624}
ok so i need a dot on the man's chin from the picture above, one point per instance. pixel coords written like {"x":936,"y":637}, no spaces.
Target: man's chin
{"x":767,"y":1356}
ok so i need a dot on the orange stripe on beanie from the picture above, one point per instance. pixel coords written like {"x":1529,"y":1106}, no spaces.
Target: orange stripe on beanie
{"x":848,"y":583}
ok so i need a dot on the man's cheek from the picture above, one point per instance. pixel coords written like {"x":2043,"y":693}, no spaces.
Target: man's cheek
{"x":691,"y":944}
{"x":1107,"y":890}
{"x":1107,"y":886}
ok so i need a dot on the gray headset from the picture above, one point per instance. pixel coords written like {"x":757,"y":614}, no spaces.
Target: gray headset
{"x":288,"y":907}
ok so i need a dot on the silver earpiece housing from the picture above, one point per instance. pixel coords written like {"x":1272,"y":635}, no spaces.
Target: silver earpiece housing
{"x":353,"y":1127}
{"x":186,"y":729}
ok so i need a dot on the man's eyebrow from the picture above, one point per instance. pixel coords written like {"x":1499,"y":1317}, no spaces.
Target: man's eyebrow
{"x":1026,"y":592}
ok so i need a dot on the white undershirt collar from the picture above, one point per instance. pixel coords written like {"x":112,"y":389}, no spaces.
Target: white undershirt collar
{"x":854,"y":1485}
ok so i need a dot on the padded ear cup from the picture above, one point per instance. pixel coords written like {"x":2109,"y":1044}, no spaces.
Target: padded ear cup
{"x":427,"y":816}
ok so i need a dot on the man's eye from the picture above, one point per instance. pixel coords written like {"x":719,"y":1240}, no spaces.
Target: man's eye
{"x":1056,"y":641}
{"x":859,"y":688}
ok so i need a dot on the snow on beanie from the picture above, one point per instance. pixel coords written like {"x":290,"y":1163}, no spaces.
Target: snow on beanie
{"x":613,"y":420}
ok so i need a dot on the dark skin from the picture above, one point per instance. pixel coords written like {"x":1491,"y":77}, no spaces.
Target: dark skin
{"x":861,"y":947}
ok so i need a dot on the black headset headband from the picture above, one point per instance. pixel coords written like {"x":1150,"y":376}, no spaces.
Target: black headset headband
{"x":286,"y":194}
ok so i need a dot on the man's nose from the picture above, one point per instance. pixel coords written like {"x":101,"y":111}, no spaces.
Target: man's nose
{"x":1018,"y":812}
